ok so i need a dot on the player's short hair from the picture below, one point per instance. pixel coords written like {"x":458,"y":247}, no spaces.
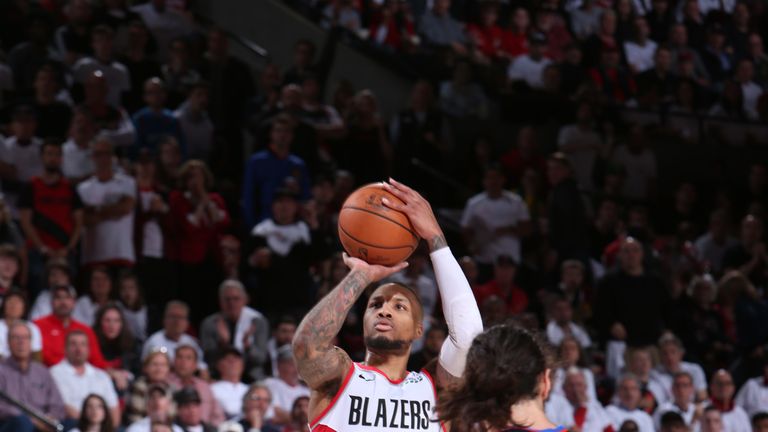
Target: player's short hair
{"x":418,"y":312}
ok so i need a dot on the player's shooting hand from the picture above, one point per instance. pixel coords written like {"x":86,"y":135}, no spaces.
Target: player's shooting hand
{"x":415,"y":207}
{"x":372,"y":272}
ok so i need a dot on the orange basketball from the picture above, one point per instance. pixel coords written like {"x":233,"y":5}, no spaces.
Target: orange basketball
{"x":373,"y":232}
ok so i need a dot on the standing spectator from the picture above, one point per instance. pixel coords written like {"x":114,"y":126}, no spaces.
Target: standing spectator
{"x":13,"y":309}
{"x":179,"y":73}
{"x":366,"y":150}
{"x":529,"y":67}
{"x":196,"y":125}
{"x":20,"y":157}
{"x":154,"y":122}
{"x":641,"y":49}
{"x":111,"y":121}
{"x":495,"y":220}
{"x":753,"y":396}
{"x":76,"y":379}
{"x":27,"y":57}
{"x":639,"y":164}
{"x":173,"y":334}
{"x":72,"y":40}
{"x":627,"y":407}
{"x":197,"y":218}
{"x":77,"y":161}
{"x":750,"y":90}
{"x":722,"y":389}
{"x":140,"y":63}
{"x":53,"y":115}
{"x":55,"y":327}
{"x":583,"y":145}
{"x":711,"y":246}
{"x":236,"y":326}
{"x":441,"y":30}
{"x":29,"y":382}
{"x":504,"y":287}
{"x":417,"y":131}
{"x":566,"y":214}
{"x":115,"y":73}
{"x":682,"y":401}
{"x":631,"y":303}
{"x":184,"y":366}
{"x":190,"y":414}
{"x":109,"y":199}
{"x":267,"y":170}
{"x":50,"y":214}
{"x":229,"y":390}
{"x":99,"y":292}
{"x":285,"y":387}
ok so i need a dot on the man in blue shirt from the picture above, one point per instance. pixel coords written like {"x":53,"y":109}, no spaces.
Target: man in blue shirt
{"x":268,"y":170}
{"x":154,"y":122}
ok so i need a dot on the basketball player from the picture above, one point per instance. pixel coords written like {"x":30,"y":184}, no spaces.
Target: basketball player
{"x":506,"y":381}
{"x":380,"y":394}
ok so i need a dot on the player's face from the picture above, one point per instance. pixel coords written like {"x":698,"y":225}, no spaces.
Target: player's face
{"x":390,"y":321}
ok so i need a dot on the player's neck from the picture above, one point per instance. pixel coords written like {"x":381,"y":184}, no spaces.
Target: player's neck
{"x":394,"y":366}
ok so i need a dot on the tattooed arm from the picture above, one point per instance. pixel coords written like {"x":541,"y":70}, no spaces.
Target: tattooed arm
{"x":320,"y":364}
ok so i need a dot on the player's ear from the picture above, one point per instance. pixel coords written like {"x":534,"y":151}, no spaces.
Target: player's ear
{"x":545,"y":383}
{"x":419,"y":330}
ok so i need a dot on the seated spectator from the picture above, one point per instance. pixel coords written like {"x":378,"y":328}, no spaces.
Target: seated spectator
{"x":712,"y":420}
{"x":72,"y":40}
{"x":189,"y":411}
{"x":256,"y":404}
{"x":572,"y":287}
{"x":154,"y":121}
{"x":195,"y":122}
{"x":55,"y":327}
{"x":585,"y":21}
{"x":13,"y":309}
{"x":582,"y":145}
{"x":749,"y":255}
{"x":639,"y":163}
{"x":503,"y":286}
{"x":639,"y":362}
{"x":236,"y":326}
{"x":462,"y":97}
{"x":433,"y":341}
{"x":673,"y":422}
{"x":671,"y":351}
{"x":197,"y":217}
{"x":629,"y":397}
{"x":760,"y":422}
{"x":10,"y":263}
{"x":611,"y":78}
{"x":515,"y":40}
{"x":391,"y":27}
{"x":341,"y":13}
{"x":682,"y":401}
{"x":299,"y":416}
{"x":606,"y":35}
{"x":165,"y":22}
{"x":29,"y":382}
{"x":721,"y":390}
{"x":658,"y":84}
{"x":682,"y":51}
{"x":441,"y":30}
{"x":571,"y":355}
{"x":100,"y":291}
{"x":20,"y":158}
{"x":111,"y":122}
{"x":487,"y":36}
{"x":753,"y":395}
{"x":585,"y":411}
{"x":714,"y":55}
{"x":756,"y":53}
{"x":94,"y":415}
{"x":179,"y":73}
{"x":51,"y":216}
{"x":131,"y":302}
{"x":173,"y":334}
{"x":641,"y":49}
{"x":730,"y":104}
{"x":115,"y":73}
{"x":285,"y":387}
{"x":282,"y":334}
{"x":57,"y":272}
{"x":303,"y":58}
{"x":76,"y":379}
{"x":77,"y":162}
{"x":529,"y":68}
{"x":185,"y":363}
{"x":550,"y":22}
{"x":751,"y":91}
{"x":120,"y":349}
{"x":712,"y":245}
{"x":523,"y":154}
{"x":159,"y":410}
{"x":561,"y":324}
{"x":109,"y":199}
{"x":53,"y":115}
{"x":229,"y":389}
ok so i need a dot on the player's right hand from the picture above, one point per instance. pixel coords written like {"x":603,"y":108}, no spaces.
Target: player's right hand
{"x":373,"y":272}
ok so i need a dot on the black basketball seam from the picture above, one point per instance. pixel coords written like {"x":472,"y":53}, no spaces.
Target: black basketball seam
{"x":371,"y":244}
{"x":383,"y":217}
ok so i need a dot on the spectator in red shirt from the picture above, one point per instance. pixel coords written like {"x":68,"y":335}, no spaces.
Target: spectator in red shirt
{"x":515,"y":40}
{"x":487,"y":36}
{"x":503,"y":286}
{"x":392,"y":27}
{"x":51,"y":215}
{"x":613,"y":80}
{"x":55,"y":327}
{"x":523,"y":157}
{"x":197,"y":218}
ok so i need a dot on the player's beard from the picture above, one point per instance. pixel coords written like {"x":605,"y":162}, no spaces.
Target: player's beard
{"x":380,"y":343}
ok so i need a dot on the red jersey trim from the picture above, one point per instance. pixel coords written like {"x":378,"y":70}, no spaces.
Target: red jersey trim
{"x":378,"y":371}
{"x":336,"y":397}
{"x":434,"y":389}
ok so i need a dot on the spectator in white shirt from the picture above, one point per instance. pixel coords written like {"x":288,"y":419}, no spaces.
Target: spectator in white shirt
{"x":530,"y":67}
{"x":627,"y":406}
{"x":286,"y":387}
{"x":561,"y":324}
{"x":281,"y":335}
{"x":712,"y":420}
{"x":100,"y":291}
{"x":131,"y":303}
{"x":109,"y":199}
{"x":753,"y":396}
{"x":640,"y":362}
{"x":671,"y":353}
{"x":20,"y":153}
{"x":571,"y":356}
{"x":13,"y":309}
{"x":229,"y":390}
{"x":722,"y":389}
{"x":173,"y":334}
{"x":640,"y":51}
{"x":750,"y":90}
{"x":76,"y":378}
{"x":58,"y":273}
{"x":77,"y":164}
{"x":583,"y":145}
{"x":115,"y":73}
{"x":682,"y":400}
{"x":585,"y":413}
{"x":639,"y":163}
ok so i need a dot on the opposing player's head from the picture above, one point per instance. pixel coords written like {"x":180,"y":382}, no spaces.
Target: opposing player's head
{"x":393,"y":319}
{"x":507,"y":365}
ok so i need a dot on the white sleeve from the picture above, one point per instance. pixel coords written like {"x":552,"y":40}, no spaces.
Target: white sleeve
{"x":460,"y":309}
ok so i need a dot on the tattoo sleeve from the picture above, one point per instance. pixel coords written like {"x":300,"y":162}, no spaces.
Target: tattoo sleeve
{"x":320,"y":364}
{"x":437,"y":242}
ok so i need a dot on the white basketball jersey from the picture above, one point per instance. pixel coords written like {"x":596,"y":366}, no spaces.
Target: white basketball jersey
{"x":368,"y":401}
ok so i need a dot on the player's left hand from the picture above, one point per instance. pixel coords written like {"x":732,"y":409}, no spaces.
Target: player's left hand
{"x":415,"y":207}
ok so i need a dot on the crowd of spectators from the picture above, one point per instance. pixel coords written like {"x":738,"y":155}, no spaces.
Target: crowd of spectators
{"x":168,"y":214}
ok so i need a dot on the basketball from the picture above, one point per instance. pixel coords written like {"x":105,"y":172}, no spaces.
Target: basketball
{"x":373,"y":232}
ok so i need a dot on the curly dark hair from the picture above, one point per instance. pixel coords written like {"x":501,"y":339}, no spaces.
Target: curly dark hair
{"x":504,"y":366}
